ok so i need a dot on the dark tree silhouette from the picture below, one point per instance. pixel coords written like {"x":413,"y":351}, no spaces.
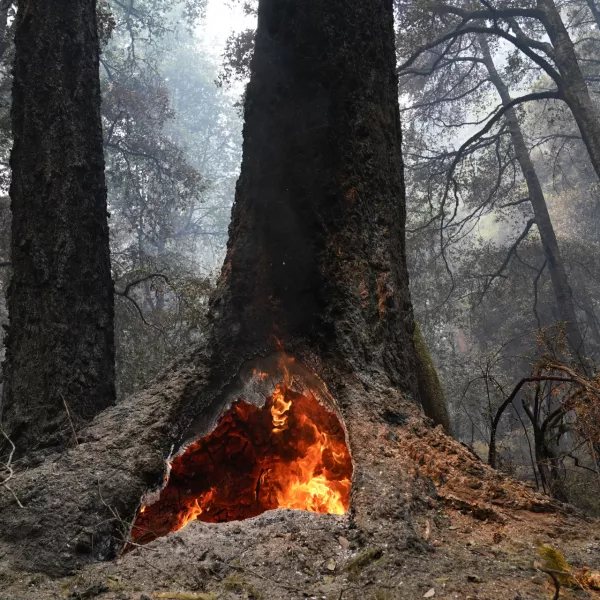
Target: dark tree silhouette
{"x":315,"y":264}
{"x":60,"y":344}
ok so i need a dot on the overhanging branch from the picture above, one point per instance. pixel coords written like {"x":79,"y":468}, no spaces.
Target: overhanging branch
{"x":511,"y":251}
{"x":495,"y":31}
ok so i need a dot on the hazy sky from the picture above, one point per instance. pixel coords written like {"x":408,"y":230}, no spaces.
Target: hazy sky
{"x":221,"y":21}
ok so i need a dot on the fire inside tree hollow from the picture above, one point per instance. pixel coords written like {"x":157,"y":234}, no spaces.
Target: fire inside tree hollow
{"x":291,"y":453}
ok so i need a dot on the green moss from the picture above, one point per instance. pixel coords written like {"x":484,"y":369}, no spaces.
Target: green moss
{"x":236,"y":583}
{"x":360,"y":561}
{"x":430,"y":388}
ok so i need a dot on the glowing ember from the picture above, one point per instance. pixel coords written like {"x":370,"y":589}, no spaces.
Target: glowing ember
{"x":290,"y":454}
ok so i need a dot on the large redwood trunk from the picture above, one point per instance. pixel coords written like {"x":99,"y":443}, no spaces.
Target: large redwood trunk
{"x":59,"y":370}
{"x":316,"y":248}
{"x":315,"y":265}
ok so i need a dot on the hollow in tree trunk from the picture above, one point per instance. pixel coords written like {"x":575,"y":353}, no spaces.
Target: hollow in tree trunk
{"x":315,"y":271}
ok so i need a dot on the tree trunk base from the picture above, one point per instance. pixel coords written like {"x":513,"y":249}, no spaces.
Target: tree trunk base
{"x":79,"y":506}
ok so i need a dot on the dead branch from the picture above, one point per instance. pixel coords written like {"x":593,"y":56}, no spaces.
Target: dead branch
{"x":7,"y":468}
{"x":554,"y":575}
{"x":492,"y":455}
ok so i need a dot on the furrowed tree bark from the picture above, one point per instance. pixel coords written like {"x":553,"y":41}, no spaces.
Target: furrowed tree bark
{"x":315,"y":265}
{"x":560,"y":284}
{"x":316,"y":243}
{"x":60,"y":345}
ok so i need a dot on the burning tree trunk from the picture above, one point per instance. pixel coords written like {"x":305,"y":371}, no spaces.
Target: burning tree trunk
{"x":316,"y":247}
{"x":316,"y":266}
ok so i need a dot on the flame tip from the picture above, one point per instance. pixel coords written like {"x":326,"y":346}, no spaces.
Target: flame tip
{"x":298,"y":459}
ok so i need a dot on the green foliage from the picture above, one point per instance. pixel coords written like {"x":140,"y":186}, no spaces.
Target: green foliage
{"x":555,"y":561}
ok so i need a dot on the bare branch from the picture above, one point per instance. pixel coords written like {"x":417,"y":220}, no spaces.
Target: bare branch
{"x":492,"y":456}
{"x":495,"y":31}
{"x":515,"y":203}
{"x":135,"y":282}
{"x":499,"y":272}
{"x":7,"y":468}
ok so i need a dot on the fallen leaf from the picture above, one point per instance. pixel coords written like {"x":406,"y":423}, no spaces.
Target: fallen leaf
{"x":331,"y":564}
{"x":427,"y":533}
{"x":429,"y":594}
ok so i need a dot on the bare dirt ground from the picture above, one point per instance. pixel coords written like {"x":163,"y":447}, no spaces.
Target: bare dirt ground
{"x":474,"y":535}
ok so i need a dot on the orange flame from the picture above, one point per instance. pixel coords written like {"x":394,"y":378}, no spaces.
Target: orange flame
{"x":290,"y":454}
{"x":279,"y":408}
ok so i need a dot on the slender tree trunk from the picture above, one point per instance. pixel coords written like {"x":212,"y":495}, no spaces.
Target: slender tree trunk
{"x":560,"y":285}
{"x":60,"y":344}
{"x":574,"y":89}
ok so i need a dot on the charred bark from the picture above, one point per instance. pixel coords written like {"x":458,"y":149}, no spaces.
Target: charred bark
{"x":316,"y":248}
{"x":315,"y":264}
{"x":60,"y":343}
{"x":562,"y":290}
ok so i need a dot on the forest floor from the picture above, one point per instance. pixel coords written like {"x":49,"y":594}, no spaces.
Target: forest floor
{"x":475,"y":536}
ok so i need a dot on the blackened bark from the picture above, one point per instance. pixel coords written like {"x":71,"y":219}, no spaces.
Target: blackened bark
{"x":315,"y":259}
{"x":60,"y":344}
{"x":316,"y":248}
{"x":560,"y":285}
